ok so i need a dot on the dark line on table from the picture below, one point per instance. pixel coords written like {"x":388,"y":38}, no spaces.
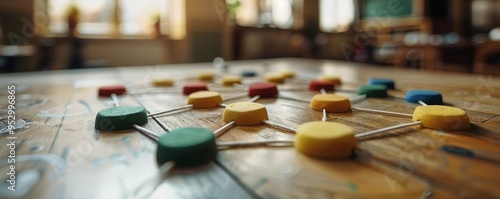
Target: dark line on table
{"x":488,"y":119}
{"x":61,"y":123}
{"x":96,"y":134}
{"x":157,"y":121}
{"x":429,"y":180}
{"x":249,"y":191}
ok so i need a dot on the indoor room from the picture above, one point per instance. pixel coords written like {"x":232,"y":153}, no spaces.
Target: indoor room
{"x":245,"y":99}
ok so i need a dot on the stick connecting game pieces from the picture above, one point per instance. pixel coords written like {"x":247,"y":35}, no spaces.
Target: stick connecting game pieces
{"x":334,"y":140}
{"x":124,"y":117}
{"x":427,"y":96}
{"x":194,"y":146}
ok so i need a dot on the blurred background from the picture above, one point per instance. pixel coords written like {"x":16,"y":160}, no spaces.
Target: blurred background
{"x":448,"y":35}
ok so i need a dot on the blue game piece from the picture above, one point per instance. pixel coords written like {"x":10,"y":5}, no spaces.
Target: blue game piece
{"x":427,"y":96}
{"x":389,"y":83}
{"x":248,"y":73}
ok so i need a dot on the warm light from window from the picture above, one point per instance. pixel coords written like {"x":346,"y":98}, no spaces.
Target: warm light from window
{"x":95,"y":16}
{"x":247,"y":13}
{"x":282,"y":13}
{"x":275,"y":13}
{"x":482,"y":13}
{"x":336,"y":15}
{"x":98,"y":17}
{"x":177,"y":19}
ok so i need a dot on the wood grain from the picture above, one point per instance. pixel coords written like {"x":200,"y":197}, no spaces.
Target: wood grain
{"x":409,"y":162}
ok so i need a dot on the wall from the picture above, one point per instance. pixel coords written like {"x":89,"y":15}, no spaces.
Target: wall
{"x":113,"y":52}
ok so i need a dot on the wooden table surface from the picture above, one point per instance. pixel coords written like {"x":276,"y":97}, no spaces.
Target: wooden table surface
{"x":59,"y":154}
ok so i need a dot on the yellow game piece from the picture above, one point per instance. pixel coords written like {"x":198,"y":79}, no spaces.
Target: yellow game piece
{"x":275,"y":78}
{"x":442,"y":117}
{"x":325,"y":140}
{"x":334,"y":79}
{"x":206,"y":75}
{"x":229,"y":80}
{"x":245,"y":113}
{"x":204,"y":99}
{"x":164,"y":81}
{"x":331,"y":102}
{"x":288,"y":74}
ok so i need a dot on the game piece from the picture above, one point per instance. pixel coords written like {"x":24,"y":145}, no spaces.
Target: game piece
{"x":229,"y":80}
{"x":317,"y":85}
{"x":332,"y":103}
{"x":376,"y":90}
{"x":164,"y":81}
{"x":188,"y":146}
{"x":120,"y":118}
{"x":206,"y":76}
{"x":442,"y":117}
{"x":263,"y":89}
{"x":389,"y":83}
{"x":248,"y":73}
{"x":245,"y":113}
{"x":275,"y":78}
{"x":192,"y":87}
{"x":325,"y":140}
{"x":106,"y":91}
{"x":204,"y":99}
{"x":427,"y":96}
{"x":334,"y":79}
{"x":288,"y":74}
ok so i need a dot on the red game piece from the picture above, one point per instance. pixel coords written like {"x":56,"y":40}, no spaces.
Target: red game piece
{"x":106,"y":91}
{"x":264,"y":90}
{"x":193,"y":87}
{"x":317,"y":85}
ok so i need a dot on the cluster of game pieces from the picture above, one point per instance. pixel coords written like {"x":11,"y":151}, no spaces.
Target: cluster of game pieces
{"x":192,"y":146}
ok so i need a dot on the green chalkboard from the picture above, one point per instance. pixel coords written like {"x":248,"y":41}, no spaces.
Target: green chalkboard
{"x":388,"y":8}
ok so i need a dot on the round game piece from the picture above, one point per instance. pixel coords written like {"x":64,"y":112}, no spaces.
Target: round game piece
{"x":206,"y":76}
{"x":376,"y":90}
{"x":442,"y":117}
{"x":389,"y":83}
{"x":317,"y":85}
{"x":229,"y":80}
{"x":189,"y":146}
{"x":288,"y":74}
{"x":263,"y":89}
{"x":106,"y":91}
{"x":331,"y":102}
{"x":193,"y":87}
{"x":245,"y":113}
{"x":164,"y":81}
{"x":204,"y":99}
{"x":334,"y":79}
{"x":427,"y":96}
{"x":325,"y":140}
{"x":248,"y":73}
{"x":275,"y":78}
{"x":120,"y":118}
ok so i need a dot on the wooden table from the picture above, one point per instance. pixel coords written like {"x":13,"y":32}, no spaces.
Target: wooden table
{"x":59,"y":154}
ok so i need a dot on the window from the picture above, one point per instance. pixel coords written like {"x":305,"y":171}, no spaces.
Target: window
{"x":483,"y":13}
{"x":336,"y":15}
{"x":272,"y":13}
{"x":123,"y":17}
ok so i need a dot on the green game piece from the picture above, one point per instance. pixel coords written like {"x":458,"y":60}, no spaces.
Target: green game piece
{"x":376,"y":90}
{"x":188,"y":146}
{"x":120,"y":118}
